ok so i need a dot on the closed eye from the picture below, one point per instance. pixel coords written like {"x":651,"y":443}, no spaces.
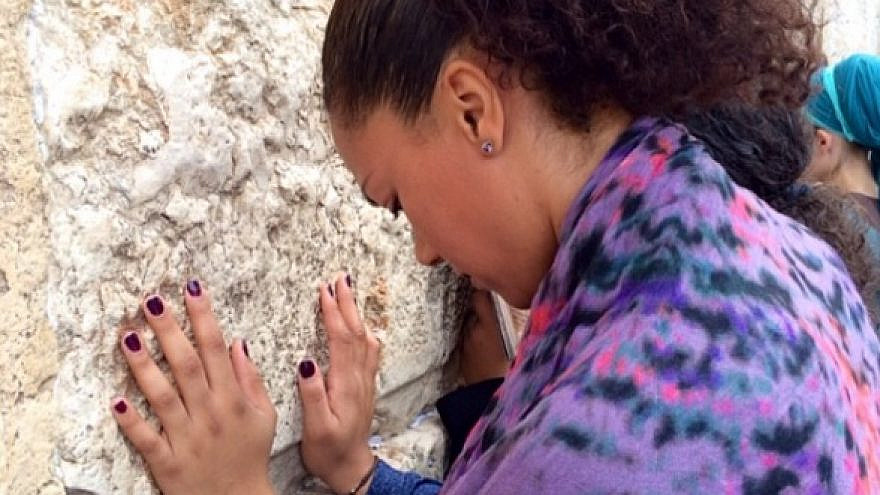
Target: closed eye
{"x":371,"y":202}
{"x":396,"y":207}
{"x":366,"y":196}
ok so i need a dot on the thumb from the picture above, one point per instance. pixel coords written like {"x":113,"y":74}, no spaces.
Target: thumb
{"x":317,"y":416}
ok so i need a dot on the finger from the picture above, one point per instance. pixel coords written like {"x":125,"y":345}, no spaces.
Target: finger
{"x":161,"y":395}
{"x":485,"y":333}
{"x":318,"y":418}
{"x":249,"y":379}
{"x":469,"y":321}
{"x":189,"y":373}
{"x":146,"y":440}
{"x":348,"y":306}
{"x":347,"y":303}
{"x":212,"y":345}
{"x":351,"y":316}
{"x":374,"y":350}
{"x":339,"y":340}
{"x":481,"y":301}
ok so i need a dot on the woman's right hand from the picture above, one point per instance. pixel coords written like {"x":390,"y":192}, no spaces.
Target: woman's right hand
{"x":338,"y":409}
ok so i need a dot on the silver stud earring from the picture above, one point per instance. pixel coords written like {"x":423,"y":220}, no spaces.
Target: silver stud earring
{"x":488,"y":147}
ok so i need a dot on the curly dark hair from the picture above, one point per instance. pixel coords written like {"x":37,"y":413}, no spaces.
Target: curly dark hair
{"x":766,"y":150}
{"x":649,"y":56}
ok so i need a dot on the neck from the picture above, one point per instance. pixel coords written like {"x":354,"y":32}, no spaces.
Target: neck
{"x":552,"y":165}
{"x":575,"y":156}
{"x":855,"y":175}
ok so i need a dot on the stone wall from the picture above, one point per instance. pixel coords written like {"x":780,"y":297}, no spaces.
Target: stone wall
{"x":852,"y":26}
{"x":186,"y":139}
{"x":28,"y":352}
{"x":143,"y":143}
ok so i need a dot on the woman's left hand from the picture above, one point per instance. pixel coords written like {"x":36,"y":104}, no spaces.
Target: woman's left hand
{"x":338,"y":408}
{"x":217,"y":423}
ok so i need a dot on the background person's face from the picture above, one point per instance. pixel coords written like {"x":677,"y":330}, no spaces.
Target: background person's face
{"x":827,"y":157}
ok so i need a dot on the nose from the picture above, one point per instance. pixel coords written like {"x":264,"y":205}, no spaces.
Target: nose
{"x":425,"y":254}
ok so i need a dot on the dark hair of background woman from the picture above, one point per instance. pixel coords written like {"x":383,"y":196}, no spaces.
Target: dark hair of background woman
{"x":766,"y":150}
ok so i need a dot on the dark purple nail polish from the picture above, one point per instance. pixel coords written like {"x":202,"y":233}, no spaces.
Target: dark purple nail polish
{"x":133,"y":342}
{"x":194,"y":288}
{"x":307,"y":368}
{"x":120,"y":406}
{"x":245,"y":349}
{"x":155,"y":306}
{"x":330,"y":288}
{"x":348,"y":281}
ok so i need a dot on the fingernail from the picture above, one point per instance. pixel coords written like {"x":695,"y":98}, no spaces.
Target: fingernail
{"x":194,"y":288}
{"x":307,"y":368}
{"x":120,"y":406}
{"x":348,"y":281}
{"x":245,"y":349}
{"x":330,"y":288}
{"x":132,"y":341}
{"x":155,"y":306}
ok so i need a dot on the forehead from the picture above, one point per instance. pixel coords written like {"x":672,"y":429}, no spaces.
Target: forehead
{"x":371,"y":144}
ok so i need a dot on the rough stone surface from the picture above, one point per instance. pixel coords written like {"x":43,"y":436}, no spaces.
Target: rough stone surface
{"x":28,"y":359}
{"x":143,"y":143}
{"x":852,"y":26}
{"x":186,"y":139}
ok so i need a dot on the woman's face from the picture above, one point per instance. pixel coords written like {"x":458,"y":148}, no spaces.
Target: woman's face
{"x":495,"y":217}
{"x":462,"y":207}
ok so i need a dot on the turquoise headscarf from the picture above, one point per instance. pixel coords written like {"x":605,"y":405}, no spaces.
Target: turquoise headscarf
{"x":849,"y":103}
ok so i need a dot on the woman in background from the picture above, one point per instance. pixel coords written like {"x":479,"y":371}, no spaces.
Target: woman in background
{"x":846,"y":151}
{"x":766,"y":150}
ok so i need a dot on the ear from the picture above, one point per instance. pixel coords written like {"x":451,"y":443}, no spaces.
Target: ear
{"x":470,"y":100}
{"x":826,"y":160}
{"x":824,"y":141}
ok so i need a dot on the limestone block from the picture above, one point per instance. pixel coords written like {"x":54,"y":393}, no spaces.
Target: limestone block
{"x":28,"y":360}
{"x":142,"y":143}
{"x":851,"y":26}
{"x":187,"y":139}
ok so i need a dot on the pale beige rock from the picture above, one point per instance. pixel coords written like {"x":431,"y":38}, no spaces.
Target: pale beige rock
{"x":28,"y":358}
{"x":187,"y":139}
{"x":852,"y":26}
{"x":145,"y":142}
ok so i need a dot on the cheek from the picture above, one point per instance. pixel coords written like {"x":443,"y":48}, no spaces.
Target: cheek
{"x":439,"y":227}
{"x":452,"y":212}
{"x":448,"y":233}
{"x":819,"y":169}
{"x":432,"y":208}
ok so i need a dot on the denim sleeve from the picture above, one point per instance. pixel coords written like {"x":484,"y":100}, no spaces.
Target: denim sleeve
{"x":389,"y":481}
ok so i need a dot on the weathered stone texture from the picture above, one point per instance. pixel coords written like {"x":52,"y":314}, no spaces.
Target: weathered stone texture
{"x":186,"y":139}
{"x":852,"y":26}
{"x":143,"y":143}
{"x":28,"y":359}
